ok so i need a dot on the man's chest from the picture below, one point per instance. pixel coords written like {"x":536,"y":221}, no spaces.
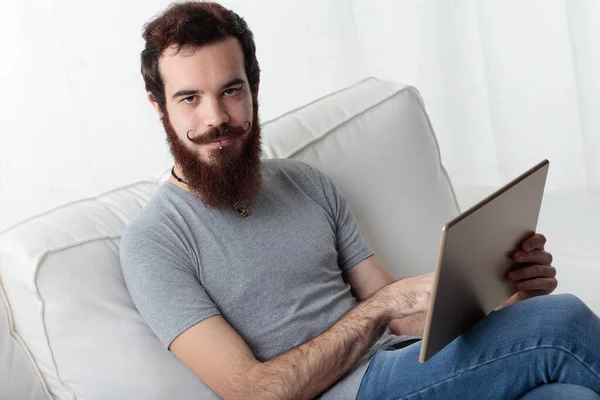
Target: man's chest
{"x":284,"y":246}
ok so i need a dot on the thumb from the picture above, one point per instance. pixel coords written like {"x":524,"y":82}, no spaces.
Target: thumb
{"x":515,"y":298}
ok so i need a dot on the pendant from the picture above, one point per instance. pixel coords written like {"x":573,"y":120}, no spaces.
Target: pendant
{"x":240,"y":207}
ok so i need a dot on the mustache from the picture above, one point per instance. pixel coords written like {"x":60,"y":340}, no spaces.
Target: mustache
{"x":220,"y":132}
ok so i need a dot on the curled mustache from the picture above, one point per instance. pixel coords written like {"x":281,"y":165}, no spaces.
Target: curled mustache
{"x":220,"y":132}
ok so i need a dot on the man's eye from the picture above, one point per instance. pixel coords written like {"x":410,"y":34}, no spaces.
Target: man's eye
{"x":189,"y":99}
{"x":232,"y":91}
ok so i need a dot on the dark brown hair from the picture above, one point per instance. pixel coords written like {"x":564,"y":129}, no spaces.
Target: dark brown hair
{"x":194,"y":24}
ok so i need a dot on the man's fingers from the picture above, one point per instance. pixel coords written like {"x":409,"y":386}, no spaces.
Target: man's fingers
{"x":522,"y":295}
{"x":535,"y":256}
{"x":536,"y":241}
{"x":533,"y":293}
{"x":547,"y":285}
{"x":532,"y":271}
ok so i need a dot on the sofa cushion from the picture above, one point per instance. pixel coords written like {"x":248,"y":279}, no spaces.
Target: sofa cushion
{"x":71,"y":309}
{"x":17,"y":369}
{"x":62,"y":279}
{"x":91,"y":322}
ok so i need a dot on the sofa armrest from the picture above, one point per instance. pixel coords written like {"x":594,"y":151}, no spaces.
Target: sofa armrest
{"x":19,"y":376}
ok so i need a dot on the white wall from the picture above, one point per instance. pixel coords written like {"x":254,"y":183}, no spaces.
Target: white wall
{"x":506,"y":83}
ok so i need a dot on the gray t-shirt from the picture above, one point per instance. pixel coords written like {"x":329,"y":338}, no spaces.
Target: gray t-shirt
{"x":275,"y":275}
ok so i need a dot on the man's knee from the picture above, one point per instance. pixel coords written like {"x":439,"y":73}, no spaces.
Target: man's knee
{"x":564,"y":310}
{"x":568,"y":303}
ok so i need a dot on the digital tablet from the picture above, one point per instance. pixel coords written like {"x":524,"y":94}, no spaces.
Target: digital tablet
{"x":475,"y":254}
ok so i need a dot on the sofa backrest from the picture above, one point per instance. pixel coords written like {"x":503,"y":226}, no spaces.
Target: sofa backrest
{"x":375,"y":141}
{"x":69,"y":324}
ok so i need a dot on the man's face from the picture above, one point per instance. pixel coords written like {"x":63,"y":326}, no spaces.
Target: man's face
{"x":208,"y":88}
{"x":211,"y":121}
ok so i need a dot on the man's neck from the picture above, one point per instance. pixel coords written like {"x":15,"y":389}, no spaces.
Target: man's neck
{"x":180,"y":185}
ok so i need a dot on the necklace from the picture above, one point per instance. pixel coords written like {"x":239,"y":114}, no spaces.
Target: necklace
{"x":178,"y":179}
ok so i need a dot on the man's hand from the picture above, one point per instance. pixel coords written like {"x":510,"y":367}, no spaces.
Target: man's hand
{"x":370,"y":277}
{"x":538,"y":276}
{"x":408,"y":296}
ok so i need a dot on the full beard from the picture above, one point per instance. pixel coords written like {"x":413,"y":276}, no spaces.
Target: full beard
{"x":230,"y":178}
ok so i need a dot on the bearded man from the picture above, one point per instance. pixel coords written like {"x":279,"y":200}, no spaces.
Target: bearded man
{"x":255,"y":275}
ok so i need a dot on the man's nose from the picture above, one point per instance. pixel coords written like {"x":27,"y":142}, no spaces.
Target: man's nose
{"x":213,"y":113}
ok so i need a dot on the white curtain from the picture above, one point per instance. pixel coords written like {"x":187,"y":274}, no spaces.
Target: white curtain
{"x":506,"y":83}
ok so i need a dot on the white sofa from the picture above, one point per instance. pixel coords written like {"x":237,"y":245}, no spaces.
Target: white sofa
{"x":68,"y":329}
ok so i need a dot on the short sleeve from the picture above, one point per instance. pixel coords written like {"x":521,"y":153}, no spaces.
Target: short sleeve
{"x":162,"y":283}
{"x":351,"y":246}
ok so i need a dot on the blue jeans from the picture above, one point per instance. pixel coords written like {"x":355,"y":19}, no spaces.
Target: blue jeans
{"x":506,"y":355}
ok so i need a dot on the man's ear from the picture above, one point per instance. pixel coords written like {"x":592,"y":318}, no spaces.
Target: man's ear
{"x":154,"y":103}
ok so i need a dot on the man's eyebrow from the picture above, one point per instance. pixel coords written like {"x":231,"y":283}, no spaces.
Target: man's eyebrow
{"x":185,"y":92}
{"x":235,"y":81}
{"x":190,"y":92}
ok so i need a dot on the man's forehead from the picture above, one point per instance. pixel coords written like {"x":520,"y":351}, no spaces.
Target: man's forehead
{"x":211,"y":64}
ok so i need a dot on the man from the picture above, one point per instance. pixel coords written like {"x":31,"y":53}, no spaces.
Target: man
{"x":255,"y":275}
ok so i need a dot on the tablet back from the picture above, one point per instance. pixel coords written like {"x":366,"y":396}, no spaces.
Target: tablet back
{"x":475,"y":254}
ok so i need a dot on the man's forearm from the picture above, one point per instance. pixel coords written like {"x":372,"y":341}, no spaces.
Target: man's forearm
{"x":309,"y":369}
{"x":413,"y":325}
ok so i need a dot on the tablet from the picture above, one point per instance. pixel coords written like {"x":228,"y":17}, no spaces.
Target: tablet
{"x":474,"y":256}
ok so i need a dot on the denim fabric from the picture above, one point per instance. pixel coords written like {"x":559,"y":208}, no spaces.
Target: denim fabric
{"x":504,"y":356}
{"x":561,"y":391}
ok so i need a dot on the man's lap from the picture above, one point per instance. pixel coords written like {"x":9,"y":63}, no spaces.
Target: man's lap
{"x":503,"y":356}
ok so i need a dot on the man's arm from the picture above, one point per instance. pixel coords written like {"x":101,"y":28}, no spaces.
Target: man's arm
{"x":536,"y":279}
{"x":413,"y":325}
{"x":366,"y":278}
{"x":219,"y":356}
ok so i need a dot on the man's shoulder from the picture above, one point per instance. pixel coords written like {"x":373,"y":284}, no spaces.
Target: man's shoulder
{"x":298,"y":171}
{"x":284,"y":164}
{"x":152,"y":218}
{"x":151,"y":240}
